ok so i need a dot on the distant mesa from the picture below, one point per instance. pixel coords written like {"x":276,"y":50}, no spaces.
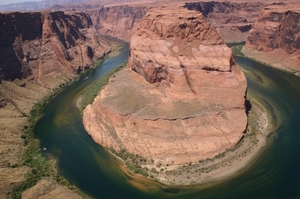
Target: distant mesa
{"x":181,"y":98}
{"x":36,"y":5}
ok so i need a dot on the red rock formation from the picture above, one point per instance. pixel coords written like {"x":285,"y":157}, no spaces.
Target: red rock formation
{"x":276,"y":34}
{"x":185,"y":100}
{"x":42,"y":44}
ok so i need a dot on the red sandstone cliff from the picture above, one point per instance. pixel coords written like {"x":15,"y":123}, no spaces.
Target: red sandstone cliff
{"x":182,"y":97}
{"x":43,"y":44}
{"x":276,"y":36}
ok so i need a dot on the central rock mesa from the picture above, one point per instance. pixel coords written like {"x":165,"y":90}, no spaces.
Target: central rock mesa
{"x":181,"y":99}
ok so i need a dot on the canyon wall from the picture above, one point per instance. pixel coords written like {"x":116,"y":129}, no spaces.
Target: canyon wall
{"x":118,"y":21}
{"x":276,"y":36}
{"x":232,"y":20}
{"x":47,"y":43}
{"x":181,"y":99}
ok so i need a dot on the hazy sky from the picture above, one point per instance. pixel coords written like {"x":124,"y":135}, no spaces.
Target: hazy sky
{"x":3,"y":2}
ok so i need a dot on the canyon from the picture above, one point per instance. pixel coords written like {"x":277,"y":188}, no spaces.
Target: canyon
{"x":184,"y":97}
{"x":42,"y":50}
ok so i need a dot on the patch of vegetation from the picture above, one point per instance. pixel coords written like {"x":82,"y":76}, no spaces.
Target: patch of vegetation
{"x":89,"y":94}
{"x":133,"y":161}
{"x":32,"y":157}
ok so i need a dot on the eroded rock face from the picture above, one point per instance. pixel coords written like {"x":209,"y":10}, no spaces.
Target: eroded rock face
{"x":276,"y":34}
{"x":47,"y":43}
{"x":182,"y":97}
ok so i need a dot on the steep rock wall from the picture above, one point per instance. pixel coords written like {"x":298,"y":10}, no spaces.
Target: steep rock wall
{"x":232,"y":20}
{"x":47,"y":43}
{"x":118,"y":21}
{"x":182,"y":97}
{"x":277,"y":35}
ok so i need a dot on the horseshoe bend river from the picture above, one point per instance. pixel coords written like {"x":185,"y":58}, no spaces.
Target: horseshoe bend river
{"x":274,"y":174}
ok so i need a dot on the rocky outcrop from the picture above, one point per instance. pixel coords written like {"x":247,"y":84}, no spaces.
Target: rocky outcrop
{"x":276,"y":36}
{"x":182,"y":97}
{"x":47,"y":43}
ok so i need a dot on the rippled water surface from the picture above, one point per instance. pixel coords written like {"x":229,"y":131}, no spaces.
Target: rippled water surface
{"x":275,"y":174}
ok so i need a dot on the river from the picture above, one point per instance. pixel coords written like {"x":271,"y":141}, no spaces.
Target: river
{"x":274,"y":174}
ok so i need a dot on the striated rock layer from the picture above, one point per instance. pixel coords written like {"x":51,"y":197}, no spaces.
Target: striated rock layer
{"x":182,"y":97}
{"x":276,"y":36}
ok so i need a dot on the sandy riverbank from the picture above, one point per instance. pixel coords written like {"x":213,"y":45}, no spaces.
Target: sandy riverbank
{"x":277,"y":58}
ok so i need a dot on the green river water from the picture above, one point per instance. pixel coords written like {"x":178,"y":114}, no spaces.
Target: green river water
{"x":274,"y":174}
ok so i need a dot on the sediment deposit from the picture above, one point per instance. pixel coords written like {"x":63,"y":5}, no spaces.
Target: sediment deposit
{"x":181,"y":99}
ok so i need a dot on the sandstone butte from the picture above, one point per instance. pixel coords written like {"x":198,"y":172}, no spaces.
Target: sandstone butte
{"x":181,"y":98}
{"x":275,"y":37}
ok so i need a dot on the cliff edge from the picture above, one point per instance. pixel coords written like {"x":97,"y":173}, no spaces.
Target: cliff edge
{"x":180,"y":100}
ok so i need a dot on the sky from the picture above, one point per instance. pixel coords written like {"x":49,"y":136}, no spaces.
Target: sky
{"x":3,"y":2}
